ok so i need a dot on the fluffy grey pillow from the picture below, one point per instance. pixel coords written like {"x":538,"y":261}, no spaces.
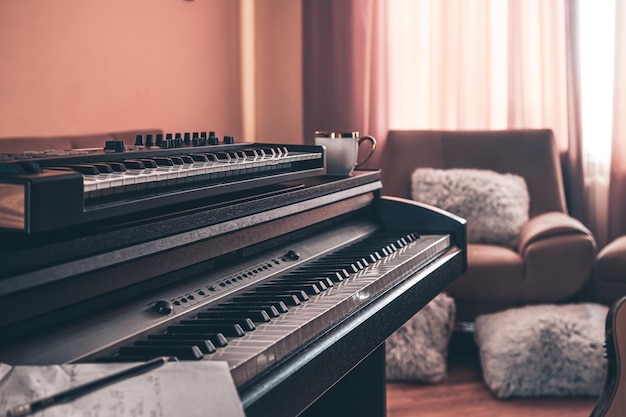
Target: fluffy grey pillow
{"x":495,"y":205}
{"x":543,"y":350}
{"x":418,"y":350}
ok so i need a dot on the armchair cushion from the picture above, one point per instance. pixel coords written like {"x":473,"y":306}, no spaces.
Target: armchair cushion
{"x":495,"y":205}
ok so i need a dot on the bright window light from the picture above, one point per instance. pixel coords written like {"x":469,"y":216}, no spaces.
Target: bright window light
{"x":597,"y":48}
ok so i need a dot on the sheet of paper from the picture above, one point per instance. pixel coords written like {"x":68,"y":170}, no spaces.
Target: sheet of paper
{"x":189,"y":389}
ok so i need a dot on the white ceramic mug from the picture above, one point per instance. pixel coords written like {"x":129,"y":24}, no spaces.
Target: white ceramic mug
{"x":342,"y":150}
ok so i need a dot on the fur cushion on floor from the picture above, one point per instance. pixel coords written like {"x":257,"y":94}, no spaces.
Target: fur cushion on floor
{"x":495,"y":205}
{"x":417,"y":351}
{"x":543,"y":350}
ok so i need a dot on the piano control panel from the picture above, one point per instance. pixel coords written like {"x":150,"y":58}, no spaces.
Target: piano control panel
{"x":233,"y":281}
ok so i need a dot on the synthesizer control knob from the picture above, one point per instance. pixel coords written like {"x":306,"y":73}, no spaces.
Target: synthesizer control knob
{"x":229,"y":140}
{"x":292,"y":255}
{"x":163,"y":307}
{"x":213,"y":140}
{"x":149,"y":141}
{"x":139,"y":140}
{"x":187,"y":139}
{"x":114,"y":146}
{"x":178,"y":140}
{"x":168,"y":142}
{"x":159,"y":139}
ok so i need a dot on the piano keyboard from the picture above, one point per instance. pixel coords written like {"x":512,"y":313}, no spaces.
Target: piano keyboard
{"x":103,"y":179}
{"x":93,"y":185}
{"x":255,"y":328}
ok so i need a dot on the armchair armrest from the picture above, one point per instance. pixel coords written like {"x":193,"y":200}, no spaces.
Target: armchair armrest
{"x":547,"y":225}
{"x":558,"y":253}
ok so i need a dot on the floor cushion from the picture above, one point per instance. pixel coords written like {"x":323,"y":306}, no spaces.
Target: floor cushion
{"x":418,"y":351}
{"x":543,"y":350}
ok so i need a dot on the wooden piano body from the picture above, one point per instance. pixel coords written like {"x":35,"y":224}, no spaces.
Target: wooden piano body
{"x":87,"y":291}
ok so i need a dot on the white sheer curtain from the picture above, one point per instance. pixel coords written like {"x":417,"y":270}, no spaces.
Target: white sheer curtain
{"x":498,"y":64}
{"x":597,"y":63}
{"x":478,"y":64}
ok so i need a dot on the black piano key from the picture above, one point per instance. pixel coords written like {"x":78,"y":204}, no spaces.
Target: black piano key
{"x":258,"y":316}
{"x":117,"y":166}
{"x":205,"y":346}
{"x":134,"y":164}
{"x":126,"y":358}
{"x":149,"y":163}
{"x":320,"y":281}
{"x":85,"y":169}
{"x":199,"y":157}
{"x":103,"y":168}
{"x":290,"y":300}
{"x":299,"y":294}
{"x":230,"y":330}
{"x":374,"y":257}
{"x":251,"y":153}
{"x":181,"y":352}
{"x":350,"y":268}
{"x":246,"y":324}
{"x":310,"y":289}
{"x":330,"y":267}
{"x":163,"y":162}
{"x":217,"y":339}
{"x":222,"y":156}
{"x":271,"y":310}
{"x":319,"y":284}
{"x":211,"y":157}
{"x":336,"y":275}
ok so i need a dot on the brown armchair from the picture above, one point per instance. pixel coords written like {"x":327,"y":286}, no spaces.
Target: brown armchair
{"x":555,"y":255}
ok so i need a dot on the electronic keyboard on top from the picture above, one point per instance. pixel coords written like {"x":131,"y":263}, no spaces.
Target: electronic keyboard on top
{"x":42,"y":191}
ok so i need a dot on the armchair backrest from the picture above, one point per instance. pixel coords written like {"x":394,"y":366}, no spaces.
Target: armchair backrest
{"x":530,"y":153}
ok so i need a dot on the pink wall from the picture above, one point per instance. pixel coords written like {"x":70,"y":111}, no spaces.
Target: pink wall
{"x":278,"y":70}
{"x":76,"y":66}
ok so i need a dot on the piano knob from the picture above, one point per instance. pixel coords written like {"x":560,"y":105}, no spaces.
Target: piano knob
{"x":178,"y":141}
{"x":168,"y":142}
{"x":159,"y":139}
{"x":163,"y":307}
{"x":187,"y":139}
{"x":149,"y":141}
{"x":292,"y":255}
{"x":213,"y":140}
{"x":229,"y":139}
{"x":139,"y":140}
{"x":114,"y":146}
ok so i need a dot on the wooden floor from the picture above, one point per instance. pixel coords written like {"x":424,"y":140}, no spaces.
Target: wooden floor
{"x":464,"y":394}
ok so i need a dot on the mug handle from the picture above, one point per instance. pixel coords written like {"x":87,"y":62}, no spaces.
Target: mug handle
{"x":372,"y":140}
